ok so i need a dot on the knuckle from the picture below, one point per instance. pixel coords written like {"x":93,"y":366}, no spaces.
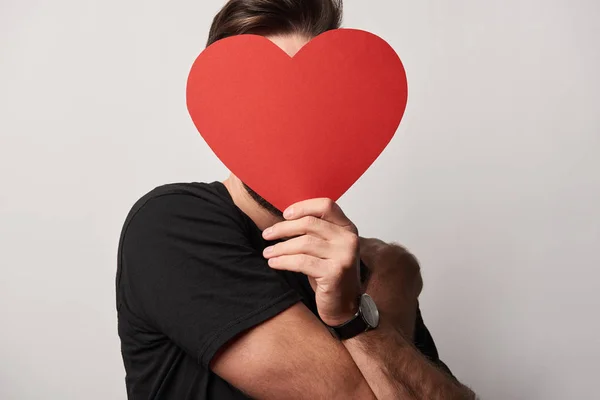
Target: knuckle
{"x":309,"y":261}
{"x":338,"y":265}
{"x":310,"y":221}
{"x":328,"y":205}
{"x":307,"y":241}
{"x":347,"y":262}
{"x":338,"y":270}
{"x":353,"y":241}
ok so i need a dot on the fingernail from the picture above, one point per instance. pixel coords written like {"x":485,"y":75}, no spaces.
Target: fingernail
{"x":272,"y":262}
{"x":268,"y":251}
{"x":267,"y":232}
{"x":289,"y":213}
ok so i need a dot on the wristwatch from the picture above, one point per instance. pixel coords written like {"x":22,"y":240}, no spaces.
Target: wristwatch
{"x":365,"y":319}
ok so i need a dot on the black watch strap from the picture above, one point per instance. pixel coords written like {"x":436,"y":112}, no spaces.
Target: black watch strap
{"x":351,"y":328}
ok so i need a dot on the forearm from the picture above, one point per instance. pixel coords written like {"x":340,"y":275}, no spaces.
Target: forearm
{"x":394,"y":369}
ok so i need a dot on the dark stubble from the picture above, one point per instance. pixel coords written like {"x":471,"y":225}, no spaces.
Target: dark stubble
{"x":263,"y":203}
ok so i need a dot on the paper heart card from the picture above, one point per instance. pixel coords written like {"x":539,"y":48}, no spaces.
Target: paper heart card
{"x":294,"y":128}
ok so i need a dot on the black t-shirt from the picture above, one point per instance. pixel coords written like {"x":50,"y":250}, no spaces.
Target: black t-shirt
{"x":190,"y":277}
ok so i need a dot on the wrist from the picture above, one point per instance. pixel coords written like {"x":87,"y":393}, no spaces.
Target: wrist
{"x":348,"y":313}
{"x":365,"y":319}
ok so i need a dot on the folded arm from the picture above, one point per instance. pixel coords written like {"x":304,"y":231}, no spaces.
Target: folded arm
{"x":396,"y":370}
{"x":294,"y":356}
{"x":325,"y":246}
{"x":291,"y":356}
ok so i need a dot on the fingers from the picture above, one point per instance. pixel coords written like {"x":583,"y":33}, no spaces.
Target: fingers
{"x":306,"y":225}
{"x":322,"y":208}
{"x":305,"y":244}
{"x":302,"y":263}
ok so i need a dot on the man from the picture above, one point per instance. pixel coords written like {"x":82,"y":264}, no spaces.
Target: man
{"x":221,"y":296}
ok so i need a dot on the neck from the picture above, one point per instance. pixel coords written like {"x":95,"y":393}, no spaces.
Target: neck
{"x":261,"y":217}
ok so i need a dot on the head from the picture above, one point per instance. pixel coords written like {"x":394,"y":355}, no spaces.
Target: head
{"x":290,"y":24}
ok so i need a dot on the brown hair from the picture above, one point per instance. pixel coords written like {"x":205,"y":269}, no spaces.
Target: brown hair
{"x":264,"y":17}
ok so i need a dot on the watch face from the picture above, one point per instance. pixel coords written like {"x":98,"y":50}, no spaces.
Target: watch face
{"x":369,"y":310}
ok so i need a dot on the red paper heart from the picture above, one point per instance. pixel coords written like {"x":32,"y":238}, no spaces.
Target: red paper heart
{"x":302,"y":127}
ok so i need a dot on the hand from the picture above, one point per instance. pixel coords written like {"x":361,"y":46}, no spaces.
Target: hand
{"x":324,"y":246}
{"x":395,"y":283}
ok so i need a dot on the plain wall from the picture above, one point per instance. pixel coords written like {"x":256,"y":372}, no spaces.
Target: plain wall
{"x":493,"y":180}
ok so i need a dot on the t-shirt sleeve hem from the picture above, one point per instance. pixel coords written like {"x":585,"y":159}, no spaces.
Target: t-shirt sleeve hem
{"x":269,"y":310}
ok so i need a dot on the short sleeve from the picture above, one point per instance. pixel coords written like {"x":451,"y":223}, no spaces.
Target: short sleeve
{"x":424,"y":343}
{"x":193,"y":274}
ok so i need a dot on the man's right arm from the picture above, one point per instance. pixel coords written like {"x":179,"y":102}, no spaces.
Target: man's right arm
{"x":291,"y":356}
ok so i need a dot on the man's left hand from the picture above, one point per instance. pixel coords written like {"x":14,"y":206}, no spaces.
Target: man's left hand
{"x":323,"y":244}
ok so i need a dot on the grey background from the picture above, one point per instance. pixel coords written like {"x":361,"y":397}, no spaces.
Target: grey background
{"x":493,"y":180}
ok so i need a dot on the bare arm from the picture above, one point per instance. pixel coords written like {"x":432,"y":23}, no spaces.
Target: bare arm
{"x":386,"y":356}
{"x":391,"y":366}
{"x":291,"y":356}
{"x":325,"y":247}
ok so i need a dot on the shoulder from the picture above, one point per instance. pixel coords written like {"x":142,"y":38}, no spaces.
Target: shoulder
{"x":203,"y":194}
{"x":390,"y":259}
{"x":184,"y":202}
{"x":377,"y":250}
{"x":182,"y":216}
